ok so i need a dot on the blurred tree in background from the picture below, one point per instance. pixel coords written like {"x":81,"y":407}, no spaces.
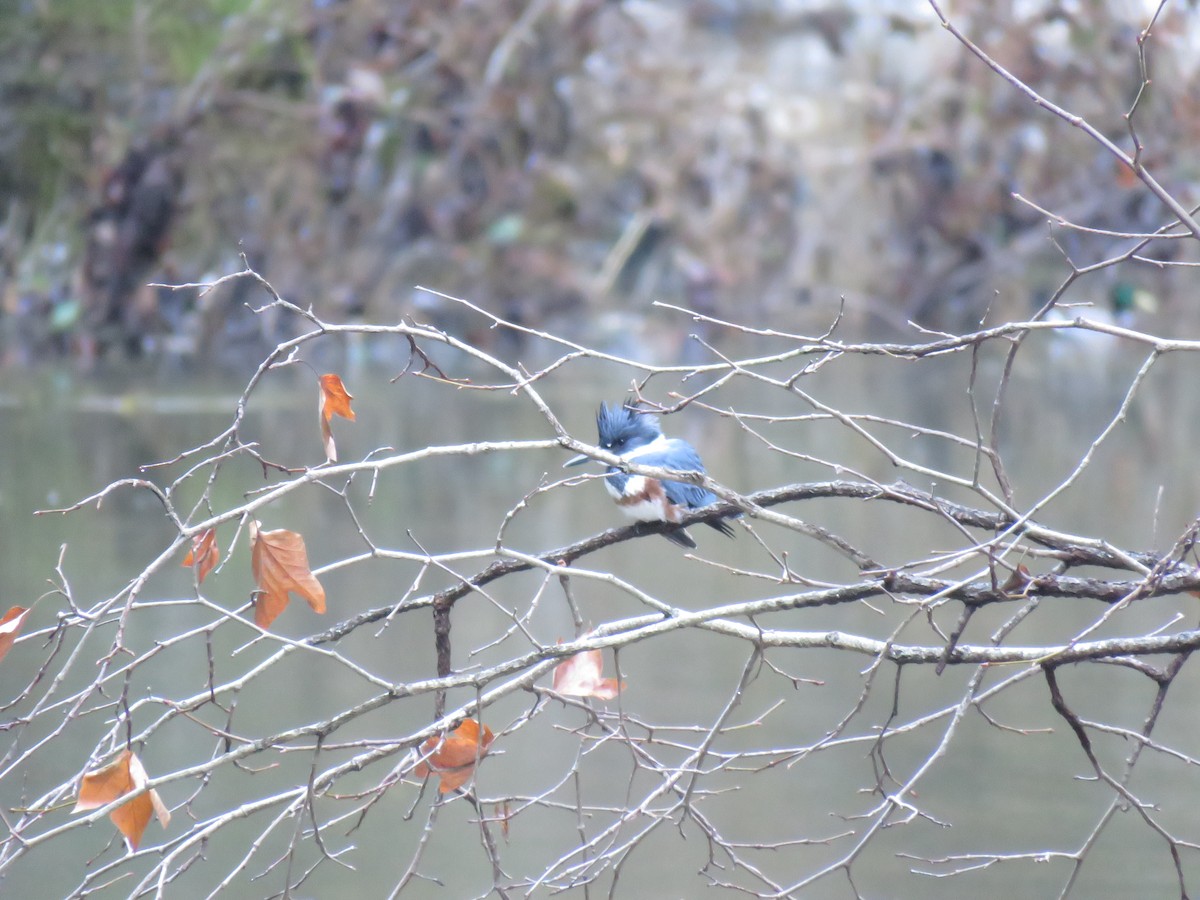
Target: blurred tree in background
{"x":564,"y":163}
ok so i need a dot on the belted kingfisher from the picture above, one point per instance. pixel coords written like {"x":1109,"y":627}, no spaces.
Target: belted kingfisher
{"x":637,"y":437}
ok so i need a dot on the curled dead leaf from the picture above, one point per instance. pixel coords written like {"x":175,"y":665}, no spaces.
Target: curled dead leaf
{"x":279,"y":561}
{"x":10,"y":628}
{"x":579,"y":676}
{"x":124,"y":775}
{"x":334,"y":400}
{"x":454,"y":756}
{"x":504,"y":814}
{"x":204,"y":554}
{"x":1018,"y":583}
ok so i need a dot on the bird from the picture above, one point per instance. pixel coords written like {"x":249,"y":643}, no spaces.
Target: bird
{"x":1088,"y":349}
{"x":636,"y":436}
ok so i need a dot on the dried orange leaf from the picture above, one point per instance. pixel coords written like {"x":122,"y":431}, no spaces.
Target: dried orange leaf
{"x":1018,"y":582}
{"x":122,"y":776}
{"x":204,"y":554}
{"x":334,"y":401}
{"x":280,"y":564}
{"x":504,"y":814}
{"x":10,"y":627}
{"x":453,"y":758}
{"x":105,"y":785}
{"x":579,"y":676}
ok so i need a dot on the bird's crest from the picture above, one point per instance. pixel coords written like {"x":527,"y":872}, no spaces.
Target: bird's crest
{"x":625,"y":421}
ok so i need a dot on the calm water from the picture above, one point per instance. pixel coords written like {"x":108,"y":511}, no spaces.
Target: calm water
{"x":64,"y":438}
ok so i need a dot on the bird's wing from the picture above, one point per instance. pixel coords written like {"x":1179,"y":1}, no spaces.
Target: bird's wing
{"x":682,"y":456}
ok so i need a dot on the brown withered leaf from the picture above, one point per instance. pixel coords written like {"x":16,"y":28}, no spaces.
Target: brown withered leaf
{"x":10,"y":628}
{"x":334,"y":401}
{"x":504,"y":814}
{"x":455,"y":757}
{"x":124,"y":775}
{"x":579,"y":676}
{"x":1017,"y":584}
{"x":204,"y":554}
{"x":280,"y":564}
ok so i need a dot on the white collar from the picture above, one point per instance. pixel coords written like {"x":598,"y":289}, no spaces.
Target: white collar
{"x":655,"y":446}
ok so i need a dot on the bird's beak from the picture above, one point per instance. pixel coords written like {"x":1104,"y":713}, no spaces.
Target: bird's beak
{"x":576,"y":460}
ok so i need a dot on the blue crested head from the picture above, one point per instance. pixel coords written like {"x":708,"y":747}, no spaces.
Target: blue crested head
{"x":621,"y":430}
{"x":624,"y":428}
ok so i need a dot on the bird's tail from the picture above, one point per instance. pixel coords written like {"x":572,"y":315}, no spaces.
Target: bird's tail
{"x":722,"y":526}
{"x":681,"y":538}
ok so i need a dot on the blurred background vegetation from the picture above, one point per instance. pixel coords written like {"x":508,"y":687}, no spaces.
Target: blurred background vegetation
{"x":566,"y":163}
